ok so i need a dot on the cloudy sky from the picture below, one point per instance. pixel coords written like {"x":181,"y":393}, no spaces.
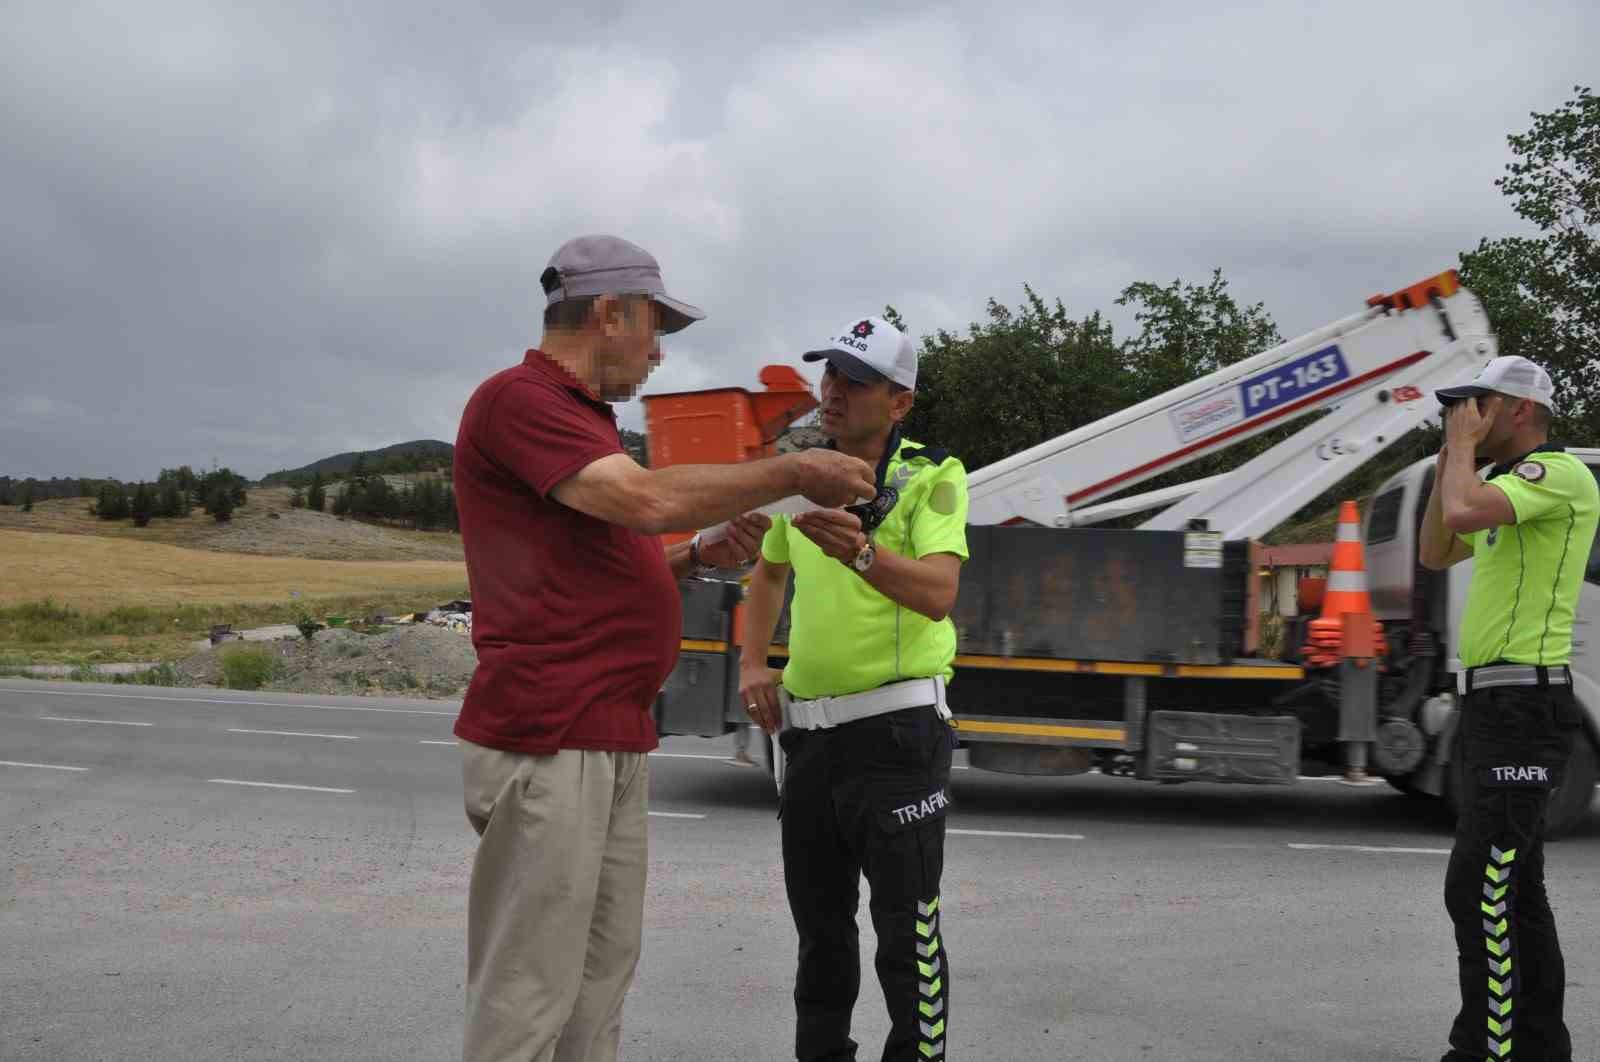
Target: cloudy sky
{"x":265,"y":232}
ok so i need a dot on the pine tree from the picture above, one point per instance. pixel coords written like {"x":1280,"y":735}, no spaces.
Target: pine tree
{"x":170,"y":501}
{"x":220,"y":503}
{"x":112,"y":502}
{"x":297,"y":499}
{"x":143,"y":506}
{"x":317,"y":497}
{"x":27,"y":496}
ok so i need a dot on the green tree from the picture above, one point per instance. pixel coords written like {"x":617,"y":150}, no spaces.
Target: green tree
{"x":1543,"y":293}
{"x":220,"y":503}
{"x":143,"y":506}
{"x":27,"y":496}
{"x":317,"y":496}
{"x":1030,"y":374}
{"x":171,"y":501}
{"x":111,"y":503}
{"x":1014,"y":380}
{"x":1187,"y":331}
{"x":6,"y":494}
{"x":297,"y":499}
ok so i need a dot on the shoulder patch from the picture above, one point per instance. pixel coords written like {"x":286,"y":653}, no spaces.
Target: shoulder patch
{"x":943,"y":498}
{"x":1532,"y":471}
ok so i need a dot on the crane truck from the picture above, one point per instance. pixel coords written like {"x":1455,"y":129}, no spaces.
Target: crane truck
{"x":1135,"y":651}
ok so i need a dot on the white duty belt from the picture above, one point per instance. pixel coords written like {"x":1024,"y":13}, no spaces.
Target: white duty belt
{"x":825,"y":713}
{"x":1492,"y":675}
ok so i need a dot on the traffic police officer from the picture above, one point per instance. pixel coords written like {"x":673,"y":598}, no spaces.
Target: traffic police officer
{"x":866,"y":732}
{"x":1528,"y":529}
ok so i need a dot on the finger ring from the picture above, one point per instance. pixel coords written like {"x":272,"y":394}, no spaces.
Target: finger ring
{"x":749,"y":707}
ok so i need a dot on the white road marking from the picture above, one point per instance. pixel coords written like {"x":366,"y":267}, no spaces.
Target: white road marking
{"x":107,"y":722}
{"x":295,"y":733}
{"x":725,"y":759}
{"x":218,"y":700}
{"x":41,"y":766}
{"x":279,"y":785}
{"x":1018,"y":833}
{"x":1368,"y":848}
{"x":438,"y":742}
{"x":673,"y":815}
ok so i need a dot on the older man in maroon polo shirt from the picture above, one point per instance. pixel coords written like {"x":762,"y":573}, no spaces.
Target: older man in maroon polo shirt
{"x":576,"y":620}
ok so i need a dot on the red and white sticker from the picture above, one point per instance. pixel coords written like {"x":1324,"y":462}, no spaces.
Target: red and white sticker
{"x":1532,"y":471}
{"x":1407,"y":394}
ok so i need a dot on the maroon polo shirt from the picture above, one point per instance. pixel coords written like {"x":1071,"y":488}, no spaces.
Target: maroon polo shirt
{"x":576,"y":621}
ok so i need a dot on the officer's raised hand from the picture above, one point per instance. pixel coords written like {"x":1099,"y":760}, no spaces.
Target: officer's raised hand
{"x":828,"y":477}
{"x":836,"y":532}
{"x":1465,"y":426}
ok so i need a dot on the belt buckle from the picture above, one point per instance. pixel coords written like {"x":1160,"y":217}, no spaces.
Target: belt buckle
{"x":824,"y":708}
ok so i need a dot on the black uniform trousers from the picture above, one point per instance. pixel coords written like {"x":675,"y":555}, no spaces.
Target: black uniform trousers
{"x":869,"y":798}
{"x":1512,"y":744}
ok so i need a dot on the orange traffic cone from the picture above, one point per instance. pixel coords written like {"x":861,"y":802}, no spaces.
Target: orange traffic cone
{"x":1346,"y":594}
{"x":1347,"y":575}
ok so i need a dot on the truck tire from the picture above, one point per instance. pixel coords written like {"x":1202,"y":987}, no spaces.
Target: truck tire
{"x":1569,"y":803}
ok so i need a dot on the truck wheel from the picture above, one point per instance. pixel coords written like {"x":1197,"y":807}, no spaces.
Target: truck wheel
{"x":1569,"y":803}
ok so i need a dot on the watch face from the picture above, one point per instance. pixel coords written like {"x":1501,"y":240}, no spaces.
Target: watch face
{"x":865,"y":558}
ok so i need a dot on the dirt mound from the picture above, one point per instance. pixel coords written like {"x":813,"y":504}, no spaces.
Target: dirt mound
{"x":411,"y":661}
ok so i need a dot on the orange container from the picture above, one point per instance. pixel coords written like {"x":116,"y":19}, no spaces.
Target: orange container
{"x":1308,"y":595}
{"x":726,"y":424}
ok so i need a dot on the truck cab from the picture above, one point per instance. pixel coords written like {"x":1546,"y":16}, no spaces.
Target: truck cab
{"x":1421,"y":614}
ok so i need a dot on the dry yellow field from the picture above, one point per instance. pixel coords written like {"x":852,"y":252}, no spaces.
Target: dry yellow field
{"x":94,"y":573}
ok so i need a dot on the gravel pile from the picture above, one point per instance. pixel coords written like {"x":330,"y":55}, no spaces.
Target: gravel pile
{"x":412,"y":661}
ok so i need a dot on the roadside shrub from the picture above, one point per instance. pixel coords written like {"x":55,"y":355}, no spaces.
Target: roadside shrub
{"x":1272,"y":632}
{"x":247,"y":667}
{"x":161,"y":675}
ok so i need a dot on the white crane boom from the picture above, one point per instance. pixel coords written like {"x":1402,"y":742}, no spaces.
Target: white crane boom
{"x":1377,"y":367}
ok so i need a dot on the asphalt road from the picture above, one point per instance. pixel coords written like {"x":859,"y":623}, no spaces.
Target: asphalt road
{"x":195,"y":875}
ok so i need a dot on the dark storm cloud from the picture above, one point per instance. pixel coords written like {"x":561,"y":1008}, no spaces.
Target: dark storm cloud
{"x":267,"y":236}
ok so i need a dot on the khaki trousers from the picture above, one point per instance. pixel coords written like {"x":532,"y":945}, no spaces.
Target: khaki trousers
{"x":556,"y":905}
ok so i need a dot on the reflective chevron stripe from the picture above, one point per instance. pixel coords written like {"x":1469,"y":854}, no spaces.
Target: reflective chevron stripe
{"x":1497,"y":939}
{"x":930,"y":963}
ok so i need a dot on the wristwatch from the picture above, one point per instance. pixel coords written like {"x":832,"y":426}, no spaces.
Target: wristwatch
{"x":864,"y":559}
{"x":698,"y":567}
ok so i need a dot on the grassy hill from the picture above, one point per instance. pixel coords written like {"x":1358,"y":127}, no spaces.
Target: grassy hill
{"x":431,"y":453}
{"x":267,"y":526}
